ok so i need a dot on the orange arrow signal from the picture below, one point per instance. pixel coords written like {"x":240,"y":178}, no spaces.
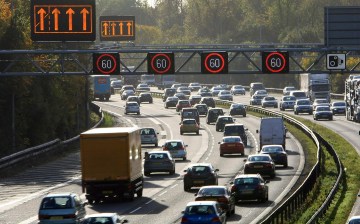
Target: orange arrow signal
{"x":105,"y":25}
{"x":56,"y":13}
{"x":121,"y":28}
{"x":70,"y":12}
{"x":84,"y":12}
{"x":41,"y":12}
{"x":113,"y":25}
{"x":129,"y":28}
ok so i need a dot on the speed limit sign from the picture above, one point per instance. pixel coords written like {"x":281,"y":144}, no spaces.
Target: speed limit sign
{"x":214,"y":63}
{"x":275,"y":62}
{"x":106,"y":63}
{"x":160,"y":63}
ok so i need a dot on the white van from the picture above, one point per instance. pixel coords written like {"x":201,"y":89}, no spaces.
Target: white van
{"x":272,"y":131}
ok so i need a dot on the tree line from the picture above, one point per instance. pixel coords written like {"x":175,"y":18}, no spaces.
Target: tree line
{"x":38,"y":109}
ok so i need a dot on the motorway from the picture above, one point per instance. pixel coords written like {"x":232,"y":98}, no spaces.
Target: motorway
{"x":163,"y":194}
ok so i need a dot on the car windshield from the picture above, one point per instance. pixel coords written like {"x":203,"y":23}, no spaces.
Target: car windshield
{"x":225,"y":119}
{"x":322,"y":108}
{"x":343,"y":104}
{"x":249,"y":181}
{"x":289,"y":98}
{"x":272,"y":149}
{"x":238,"y":87}
{"x":269,"y":98}
{"x":200,"y":169}
{"x":156,"y":156}
{"x":200,"y":210}
{"x":132,"y":104}
{"x":321,"y":101}
{"x":147,"y":131}
{"x":229,"y":140}
{"x":99,"y":220}
{"x":257,"y":97}
{"x":303,"y":102}
{"x":189,"y":122}
{"x":225,"y":93}
{"x":237,"y":106}
{"x":56,"y":203}
{"x":259,"y":158}
{"x":211,"y":191}
{"x":174,"y":145}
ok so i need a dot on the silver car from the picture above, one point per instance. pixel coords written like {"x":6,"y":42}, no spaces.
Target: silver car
{"x":132,"y":107}
{"x":158,"y":161}
{"x":149,"y":136}
{"x":61,"y":208}
{"x":177,"y":148}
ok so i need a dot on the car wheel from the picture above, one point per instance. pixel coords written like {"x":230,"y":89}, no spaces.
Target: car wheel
{"x":331,"y":118}
{"x":233,"y":210}
{"x":138,"y":113}
{"x":221,"y":155}
{"x":184,"y":159}
{"x":139,"y":193}
{"x":197,"y":132}
{"x":125,"y":113}
{"x":286,"y":165}
{"x":315,"y":118}
{"x":186,"y":188}
{"x":244,"y":115}
{"x":272,"y":176}
{"x":181,"y":133}
{"x":156,"y":144}
{"x":172,"y":172}
{"x":147,"y":174}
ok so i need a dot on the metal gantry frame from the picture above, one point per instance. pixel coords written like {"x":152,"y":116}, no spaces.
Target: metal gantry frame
{"x":243,"y":59}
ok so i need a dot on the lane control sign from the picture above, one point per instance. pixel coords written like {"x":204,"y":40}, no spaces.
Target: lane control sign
{"x":63,"y":20}
{"x":336,"y":61}
{"x":106,"y":63}
{"x":275,"y":62}
{"x":214,"y":63}
{"x":160,"y":63}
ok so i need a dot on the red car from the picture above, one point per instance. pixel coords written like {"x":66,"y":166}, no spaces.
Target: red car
{"x":231,"y":145}
{"x":182,"y":104}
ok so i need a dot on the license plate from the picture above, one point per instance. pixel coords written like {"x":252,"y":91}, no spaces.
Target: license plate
{"x":247,"y":192}
{"x":56,"y":217}
{"x":258,"y":166}
{"x":107,"y":192}
{"x":231,"y":145}
{"x":198,"y":181}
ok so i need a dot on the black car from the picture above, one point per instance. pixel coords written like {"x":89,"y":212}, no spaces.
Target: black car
{"x":145,"y":97}
{"x":260,"y":163}
{"x":209,"y":101}
{"x":236,"y":130}
{"x":200,"y":174}
{"x":202,"y":108}
{"x":250,"y":187}
{"x":171,"y":101}
{"x":220,"y":194}
{"x":237,"y":109}
{"x":213,"y":114}
{"x":222,"y":120}
{"x":168,"y":92}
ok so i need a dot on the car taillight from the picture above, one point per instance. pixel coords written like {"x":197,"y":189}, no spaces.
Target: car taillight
{"x":233,"y":188}
{"x":215,"y":219}
{"x":222,"y":200}
{"x":69,"y":216}
{"x":184,"y":220}
{"x":42,"y":217}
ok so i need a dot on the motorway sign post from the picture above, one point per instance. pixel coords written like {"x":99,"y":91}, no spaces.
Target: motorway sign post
{"x":117,"y":28}
{"x":275,"y":62}
{"x":214,"y":63}
{"x":106,"y":63}
{"x":160,"y":63}
{"x":63,"y":20}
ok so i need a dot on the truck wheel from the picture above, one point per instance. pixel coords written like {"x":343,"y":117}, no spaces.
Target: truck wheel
{"x":139,"y":193}
{"x":131,"y":195}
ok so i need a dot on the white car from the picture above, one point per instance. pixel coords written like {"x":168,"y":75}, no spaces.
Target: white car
{"x":132,"y":107}
{"x":225,"y":95}
{"x":237,"y":89}
{"x":110,"y":218}
{"x":288,"y":89}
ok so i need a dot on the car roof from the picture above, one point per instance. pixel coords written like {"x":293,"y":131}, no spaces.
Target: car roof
{"x":214,"y":186}
{"x":247,"y":175}
{"x":192,"y":203}
{"x":60,"y":194}
{"x":101,"y":215}
{"x":158,"y":151}
{"x":174,"y":140}
{"x":232,"y":136}
{"x":264,"y":155}
{"x":234,"y":125}
{"x":200,"y":164}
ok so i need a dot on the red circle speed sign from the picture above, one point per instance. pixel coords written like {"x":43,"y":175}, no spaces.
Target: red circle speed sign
{"x":106,"y":64}
{"x":161,"y":63}
{"x":275,"y":62}
{"x":214,"y":62}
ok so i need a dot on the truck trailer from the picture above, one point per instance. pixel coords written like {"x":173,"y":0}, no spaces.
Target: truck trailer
{"x":352,"y":99}
{"x":100,"y":86}
{"x":315,"y":85}
{"x":111,"y":163}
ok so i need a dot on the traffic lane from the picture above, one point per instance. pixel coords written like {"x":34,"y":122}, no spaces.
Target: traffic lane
{"x":228,"y":167}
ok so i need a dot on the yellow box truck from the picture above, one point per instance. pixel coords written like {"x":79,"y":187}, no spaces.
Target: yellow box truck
{"x":111,"y":163}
